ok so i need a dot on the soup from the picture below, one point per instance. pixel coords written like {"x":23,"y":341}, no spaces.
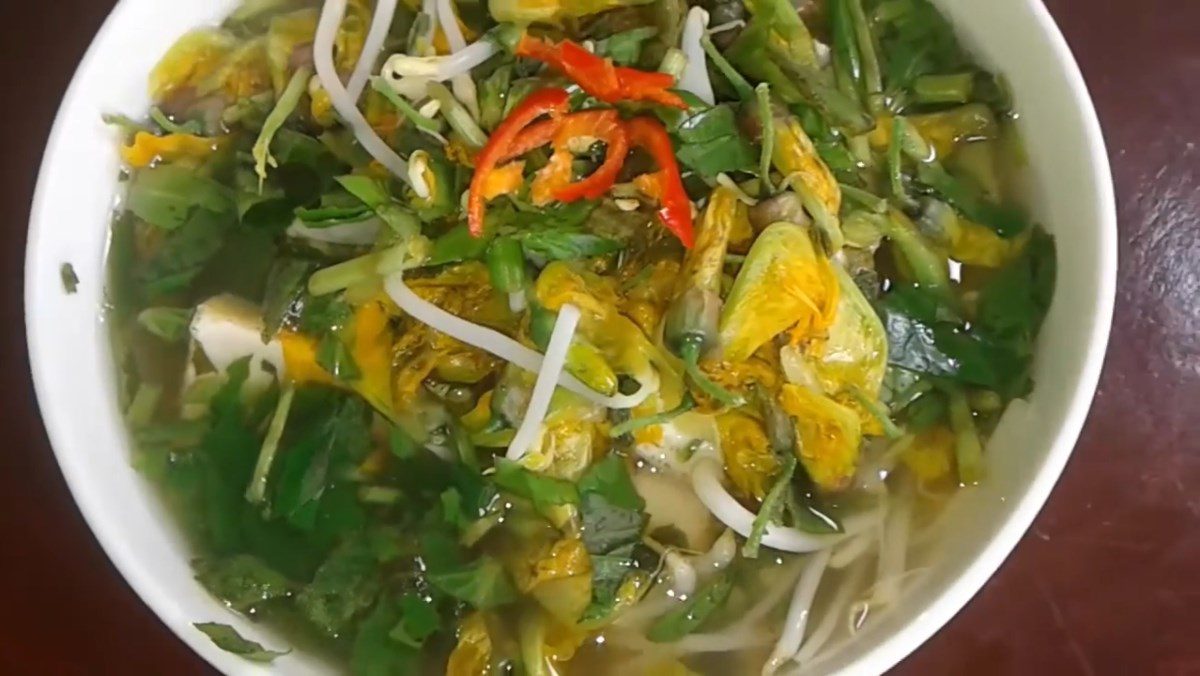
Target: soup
{"x":565,"y":337}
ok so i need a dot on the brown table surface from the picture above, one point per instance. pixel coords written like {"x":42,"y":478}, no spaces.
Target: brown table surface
{"x":1106,"y":582}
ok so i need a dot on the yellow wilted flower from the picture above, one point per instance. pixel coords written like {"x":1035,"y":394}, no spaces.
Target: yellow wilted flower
{"x":749,"y":462}
{"x":148,"y":148}
{"x":784,"y":283}
{"x":829,"y":435}
{"x":473,"y":654}
{"x":190,"y":62}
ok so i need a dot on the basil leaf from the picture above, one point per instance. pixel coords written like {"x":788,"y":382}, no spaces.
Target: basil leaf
{"x":228,"y":639}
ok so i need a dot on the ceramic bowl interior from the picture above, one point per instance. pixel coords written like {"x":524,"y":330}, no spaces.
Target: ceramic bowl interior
{"x":1070,"y":192}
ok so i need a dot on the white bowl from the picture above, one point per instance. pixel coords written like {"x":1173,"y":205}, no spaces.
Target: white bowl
{"x":73,"y":371}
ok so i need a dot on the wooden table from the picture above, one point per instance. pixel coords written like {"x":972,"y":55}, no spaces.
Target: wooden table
{"x":1106,"y":582}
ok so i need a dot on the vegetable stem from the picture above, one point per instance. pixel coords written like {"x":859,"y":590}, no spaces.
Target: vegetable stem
{"x":872,"y":78}
{"x":425,"y":124}
{"x":256,"y":492}
{"x":458,"y":116}
{"x":657,"y":419}
{"x":284,"y":107}
{"x":690,"y":352}
{"x":968,"y":450}
{"x":955,"y":88}
{"x":739,"y":83}
{"x":767,"y":118}
{"x":771,"y":508}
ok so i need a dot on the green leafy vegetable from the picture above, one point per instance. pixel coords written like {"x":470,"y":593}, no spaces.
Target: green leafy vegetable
{"x":284,"y":107}
{"x":560,"y":245}
{"x":346,"y":585}
{"x":542,"y":491}
{"x":228,"y":639}
{"x":243,"y":581}
{"x":70,"y":280}
{"x":625,"y":48}
{"x":692,"y":614}
{"x":285,"y":288}
{"x":772,"y":507}
{"x":483,"y":585}
{"x":419,"y":620}
{"x":167,"y":196}
{"x":376,"y":652}
{"x":168,"y":323}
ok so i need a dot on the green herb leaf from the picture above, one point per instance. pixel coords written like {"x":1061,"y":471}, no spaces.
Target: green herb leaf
{"x":168,"y":323}
{"x":625,"y":48}
{"x":375,"y":652}
{"x":186,"y":251}
{"x":484,"y":584}
{"x":345,"y":585}
{"x":285,"y":288}
{"x":334,"y":356}
{"x":243,"y":581}
{"x":70,"y":280}
{"x":419,"y":620}
{"x":542,"y":491}
{"x":611,"y":511}
{"x":726,"y":154}
{"x":562,"y":245}
{"x":165,"y":196}
{"x":692,"y":615}
{"x":228,"y":639}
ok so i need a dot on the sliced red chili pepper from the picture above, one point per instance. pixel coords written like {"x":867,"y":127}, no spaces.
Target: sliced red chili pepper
{"x":641,"y":85}
{"x":554,"y":181}
{"x":675,"y":209}
{"x":598,"y":76}
{"x":550,"y":101}
{"x":534,"y":136}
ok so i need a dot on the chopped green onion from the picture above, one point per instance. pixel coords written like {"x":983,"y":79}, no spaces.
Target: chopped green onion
{"x":673,"y":63}
{"x":944,"y":88}
{"x":871,"y":75}
{"x":968,"y":450}
{"x":458,"y":116}
{"x":425,"y":124}
{"x":145,"y":403}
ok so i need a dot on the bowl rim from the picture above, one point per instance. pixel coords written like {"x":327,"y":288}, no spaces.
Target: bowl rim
{"x":889,"y":652}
